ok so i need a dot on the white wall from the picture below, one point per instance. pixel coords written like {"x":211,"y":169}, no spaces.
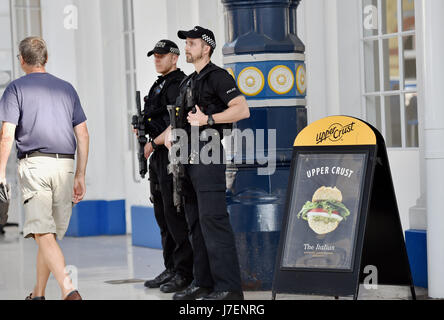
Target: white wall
{"x":90,"y":79}
{"x":404,"y":165}
{"x":330,"y":31}
{"x":114,"y":117}
{"x":5,"y":39}
{"x":60,"y":41}
{"x":349,"y":62}
{"x":314,"y":40}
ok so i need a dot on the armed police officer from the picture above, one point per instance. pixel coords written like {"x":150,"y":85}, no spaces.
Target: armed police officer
{"x":177,"y":250}
{"x":217,"y":104}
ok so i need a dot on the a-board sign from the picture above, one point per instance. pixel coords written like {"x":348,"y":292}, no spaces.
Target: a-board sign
{"x":334,"y":224}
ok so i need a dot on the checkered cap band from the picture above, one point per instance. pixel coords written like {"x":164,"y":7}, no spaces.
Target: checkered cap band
{"x":175,"y":51}
{"x":162,"y":44}
{"x":208,"y":40}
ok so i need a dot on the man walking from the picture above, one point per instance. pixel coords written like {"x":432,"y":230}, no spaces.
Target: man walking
{"x":44,"y":116}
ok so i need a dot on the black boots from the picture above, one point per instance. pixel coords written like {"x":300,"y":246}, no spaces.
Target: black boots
{"x":162,"y":278}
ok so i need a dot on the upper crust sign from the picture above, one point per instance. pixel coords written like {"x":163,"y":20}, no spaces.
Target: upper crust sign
{"x":336,"y":131}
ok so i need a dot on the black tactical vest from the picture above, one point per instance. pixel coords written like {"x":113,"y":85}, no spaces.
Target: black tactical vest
{"x":155,"y":110}
{"x":204,"y":96}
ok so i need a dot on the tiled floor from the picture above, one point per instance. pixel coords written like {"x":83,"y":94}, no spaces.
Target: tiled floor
{"x":97,"y":260}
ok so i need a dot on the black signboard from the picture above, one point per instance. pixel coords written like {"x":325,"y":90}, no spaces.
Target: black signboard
{"x":333,"y":220}
{"x":321,"y":230}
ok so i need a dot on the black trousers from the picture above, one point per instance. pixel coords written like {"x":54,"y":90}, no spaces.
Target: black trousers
{"x":215,"y":257}
{"x":177,"y":250}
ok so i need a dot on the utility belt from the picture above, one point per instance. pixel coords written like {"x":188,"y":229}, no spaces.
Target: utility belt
{"x":209,"y":129}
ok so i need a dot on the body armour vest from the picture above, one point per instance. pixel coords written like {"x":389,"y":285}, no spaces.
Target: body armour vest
{"x":204,"y":96}
{"x":161,"y":94}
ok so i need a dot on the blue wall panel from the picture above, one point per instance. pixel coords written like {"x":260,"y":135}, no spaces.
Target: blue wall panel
{"x":96,"y":218}
{"x":416,"y":243}
{"x":145,"y":231}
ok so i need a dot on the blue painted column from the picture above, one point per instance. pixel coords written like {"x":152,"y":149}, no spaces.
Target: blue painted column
{"x":266,"y":57}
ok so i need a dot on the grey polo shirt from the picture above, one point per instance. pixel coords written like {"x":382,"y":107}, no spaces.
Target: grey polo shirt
{"x":45,"y":110}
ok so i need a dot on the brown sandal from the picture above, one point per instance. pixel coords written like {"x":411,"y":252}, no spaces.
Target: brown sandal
{"x":36,"y":298}
{"x":74,"y":295}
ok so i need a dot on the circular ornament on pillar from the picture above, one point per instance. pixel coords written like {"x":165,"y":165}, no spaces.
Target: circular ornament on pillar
{"x":231,"y":72}
{"x":251,"y":81}
{"x":281,"y":79}
{"x":301,"y":79}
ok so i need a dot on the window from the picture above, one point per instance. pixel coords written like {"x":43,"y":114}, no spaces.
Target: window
{"x":388,"y":47}
{"x":130,"y":78}
{"x":26,"y":22}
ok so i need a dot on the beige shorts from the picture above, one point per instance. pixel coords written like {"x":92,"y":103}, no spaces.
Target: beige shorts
{"x":47,"y":189}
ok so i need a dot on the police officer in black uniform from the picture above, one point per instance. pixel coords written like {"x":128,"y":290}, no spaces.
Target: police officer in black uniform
{"x":218,"y":104}
{"x":177,"y":250}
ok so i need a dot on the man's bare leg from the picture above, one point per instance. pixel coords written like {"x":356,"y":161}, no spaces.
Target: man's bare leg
{"x":55,"y":261}
{"x":42,"y":276}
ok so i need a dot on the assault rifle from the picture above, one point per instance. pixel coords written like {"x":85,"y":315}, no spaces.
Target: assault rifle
{"x":178,"y":117}
{"x":139,"y":125}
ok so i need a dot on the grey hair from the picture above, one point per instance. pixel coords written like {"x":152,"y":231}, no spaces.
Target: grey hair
{"x":34,"y":51}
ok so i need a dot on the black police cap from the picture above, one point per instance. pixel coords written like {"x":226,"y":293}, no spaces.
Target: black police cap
{"x":165,"y":46}
{"x":199,"y":33}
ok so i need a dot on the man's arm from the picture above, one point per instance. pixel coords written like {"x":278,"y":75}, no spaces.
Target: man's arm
{"x":7,"y":136}
{"x":167,"y":135}
{"x":160,"y":140}
{"x":237,"y":110}
{"x":82,"y":136}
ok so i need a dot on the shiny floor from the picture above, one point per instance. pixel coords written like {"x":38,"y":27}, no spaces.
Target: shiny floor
{"x":110,"y":268}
